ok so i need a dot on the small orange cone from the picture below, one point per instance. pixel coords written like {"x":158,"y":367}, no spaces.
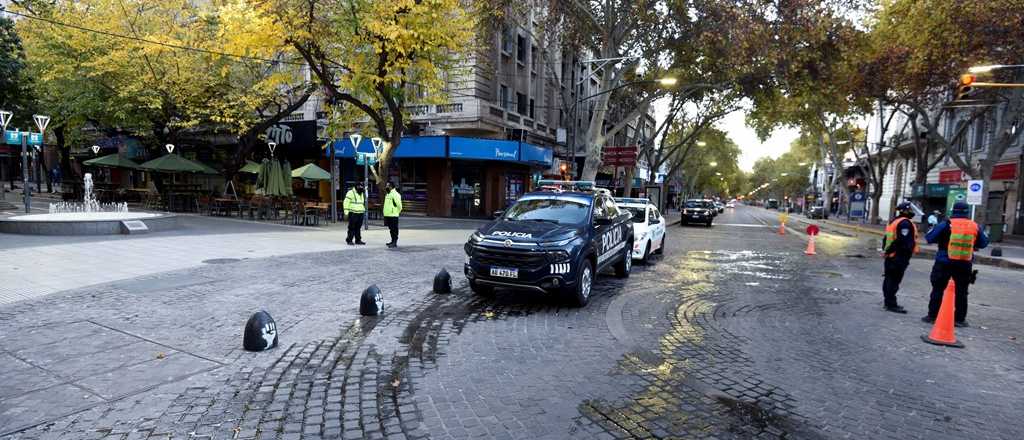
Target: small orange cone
{"x":782,"y":229}
{"x":942,"y":331}
{"x":810,"y":245}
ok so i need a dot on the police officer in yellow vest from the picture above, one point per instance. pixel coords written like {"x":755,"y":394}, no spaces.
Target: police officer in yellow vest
{"x":957,"y":238}
{"x":392,"y":209}
{"x":899,"y":245}
{"x":355,"y":209}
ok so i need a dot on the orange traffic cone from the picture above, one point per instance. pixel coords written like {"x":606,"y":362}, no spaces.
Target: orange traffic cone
{"x":810,"y":245}
{"x":782,"y":229}
{"x":942,"y":331}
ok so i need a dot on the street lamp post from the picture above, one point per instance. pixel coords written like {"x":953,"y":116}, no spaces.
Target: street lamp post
{"x":5,"y":118}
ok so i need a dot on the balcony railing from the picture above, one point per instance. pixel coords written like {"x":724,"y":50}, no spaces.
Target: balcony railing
{"x":450,"y":108}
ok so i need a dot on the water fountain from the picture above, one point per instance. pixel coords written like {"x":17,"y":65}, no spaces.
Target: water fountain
{"x":88,"y":217}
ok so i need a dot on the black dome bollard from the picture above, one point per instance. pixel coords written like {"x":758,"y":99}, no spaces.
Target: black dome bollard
{"x":997,"y":251}
{"x":443,"y":282}
{"x":260,"y":332}
{"x":372,"y":302}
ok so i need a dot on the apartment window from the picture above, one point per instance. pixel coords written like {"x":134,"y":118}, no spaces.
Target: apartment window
{"x":506,"y":100}
{"x":521,"y":49}
{"x":533,"y":59}
{"x":521,"y":103}
{"x":506,"y":40}
{"x":961,"y":142}
{"x":531,"y":108}
{"x":980,"y":129}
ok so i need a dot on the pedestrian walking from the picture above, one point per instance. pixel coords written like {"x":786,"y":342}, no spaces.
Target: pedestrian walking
{"x":355,"y":208}
{"x":957,"y":238}
{"x":898,"y":245}
{"x":392,"y":209}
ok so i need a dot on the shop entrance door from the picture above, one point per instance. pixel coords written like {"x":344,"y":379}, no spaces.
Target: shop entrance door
{"x":467,"y":191}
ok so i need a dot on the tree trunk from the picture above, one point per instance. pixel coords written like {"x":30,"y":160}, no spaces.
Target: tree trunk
{"x":985,"y":167}
{"x":627,"y":186}
{"x":876,"y":198}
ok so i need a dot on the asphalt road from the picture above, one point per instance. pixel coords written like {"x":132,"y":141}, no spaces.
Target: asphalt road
{"x":734,"y":333}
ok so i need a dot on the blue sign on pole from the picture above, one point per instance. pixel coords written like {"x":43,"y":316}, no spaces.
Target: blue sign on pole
{"x":12,"y":137}
{"x":35,"y":139}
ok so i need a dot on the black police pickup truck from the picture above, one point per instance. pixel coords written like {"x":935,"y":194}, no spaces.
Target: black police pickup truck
{"x":552,"y":241}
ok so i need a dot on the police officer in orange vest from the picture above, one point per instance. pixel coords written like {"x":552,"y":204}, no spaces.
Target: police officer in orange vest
{"x":899,"y":245}
{"x":958,"y":238}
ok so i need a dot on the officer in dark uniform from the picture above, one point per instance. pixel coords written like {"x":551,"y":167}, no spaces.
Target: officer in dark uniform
{"x":957,"y":239}
{"x":899,"y":245}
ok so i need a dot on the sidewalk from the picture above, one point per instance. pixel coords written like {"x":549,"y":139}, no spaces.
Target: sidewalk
{"x":1013,"y":251}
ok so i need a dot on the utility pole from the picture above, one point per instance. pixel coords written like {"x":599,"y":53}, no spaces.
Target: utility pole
{"x":26,"y":192}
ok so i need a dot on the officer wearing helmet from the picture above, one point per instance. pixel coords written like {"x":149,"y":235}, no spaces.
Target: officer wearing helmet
{"x":958,"y":238}
{"x":898,"y":245}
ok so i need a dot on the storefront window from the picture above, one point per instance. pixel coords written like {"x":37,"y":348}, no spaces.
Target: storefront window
{"x":515,"y":186}
{"x":412,"y":183}
{"x":467,"y":191}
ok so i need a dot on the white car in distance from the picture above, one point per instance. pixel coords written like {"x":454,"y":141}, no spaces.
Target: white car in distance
{"x":648,"y":227}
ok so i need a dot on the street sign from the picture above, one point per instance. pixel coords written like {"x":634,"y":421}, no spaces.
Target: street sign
{"x":974,"y":189}
{"x":35,"y":139}
{"x":812,"y":230}
{"x":857,"y":204}
{"x":619,"y":156}
{"x":361,"y":158}
{"x":12,"y":137}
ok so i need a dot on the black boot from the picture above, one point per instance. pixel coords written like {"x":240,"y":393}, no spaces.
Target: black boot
{"x":896,"y":309}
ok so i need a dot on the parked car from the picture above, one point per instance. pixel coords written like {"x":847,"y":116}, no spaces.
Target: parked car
{"x":697,"y":211}
{"x":648,"y":227}
{"x":772,"y":204}
{"x":553,"y":241}
{"x":731,"y":204}
{"x":816,"y":212}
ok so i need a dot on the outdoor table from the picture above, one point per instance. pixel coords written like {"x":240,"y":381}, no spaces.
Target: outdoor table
{"x":225,"y":205}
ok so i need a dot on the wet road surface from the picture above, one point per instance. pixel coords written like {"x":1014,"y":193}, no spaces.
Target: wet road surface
{"x":734,"y":333}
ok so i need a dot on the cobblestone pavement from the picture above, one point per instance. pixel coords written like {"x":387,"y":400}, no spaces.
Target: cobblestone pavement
{"x":733,"y":334}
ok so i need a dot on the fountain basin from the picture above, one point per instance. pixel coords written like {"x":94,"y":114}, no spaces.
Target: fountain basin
{"x":87,"y":223}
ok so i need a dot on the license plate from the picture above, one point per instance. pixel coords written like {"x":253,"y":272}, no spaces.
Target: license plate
{"x":504,"y":273}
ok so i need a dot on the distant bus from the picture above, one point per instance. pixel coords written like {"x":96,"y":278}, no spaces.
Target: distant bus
{"x":772,"y":204}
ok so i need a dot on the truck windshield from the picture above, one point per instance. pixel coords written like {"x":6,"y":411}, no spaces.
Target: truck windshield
{"x":552,"y":210}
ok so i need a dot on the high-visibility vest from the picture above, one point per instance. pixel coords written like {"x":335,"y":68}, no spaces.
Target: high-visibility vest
{"x":890,"y":235}
{"x":962,"y":235}
{"x":392,"y":204}
{"x":354,"y":202}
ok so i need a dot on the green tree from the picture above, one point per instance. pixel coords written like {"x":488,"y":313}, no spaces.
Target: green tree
{"x":924,"y":45}
{"x":13,"y":80}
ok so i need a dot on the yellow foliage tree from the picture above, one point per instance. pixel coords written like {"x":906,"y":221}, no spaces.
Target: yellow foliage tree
{"x":375,"y":58}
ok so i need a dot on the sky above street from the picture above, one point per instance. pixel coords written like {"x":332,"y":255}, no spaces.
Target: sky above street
{"x":751,"y":147}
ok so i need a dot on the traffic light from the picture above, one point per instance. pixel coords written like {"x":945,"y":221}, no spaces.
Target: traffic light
{"x":964,"y":87}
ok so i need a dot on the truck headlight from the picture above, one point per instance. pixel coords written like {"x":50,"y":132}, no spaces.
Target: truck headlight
{"x":558,"y":243}
{"x":476,"y":237}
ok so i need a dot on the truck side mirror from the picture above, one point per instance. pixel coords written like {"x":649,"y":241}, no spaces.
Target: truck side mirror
{"x":497,"y":214}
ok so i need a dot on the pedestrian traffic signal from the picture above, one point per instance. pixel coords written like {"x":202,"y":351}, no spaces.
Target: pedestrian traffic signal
{"x":964,"y":87}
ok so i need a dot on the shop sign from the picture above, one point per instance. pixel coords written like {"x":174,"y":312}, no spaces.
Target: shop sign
{"x":293,"y":134}
{"x":951,"y":176}
{"x":1005,"y":171}
{"x":485,"y":149}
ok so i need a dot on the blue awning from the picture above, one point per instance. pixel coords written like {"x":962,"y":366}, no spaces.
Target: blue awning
{"x":343,"y":148}
{"x":536,"y":154}
{"x":421,"y":146}
{"x":483,"y":149}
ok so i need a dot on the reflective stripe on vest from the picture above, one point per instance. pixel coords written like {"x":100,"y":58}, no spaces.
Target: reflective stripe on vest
{"x":890,"y":236}
{"x":962,"y":235}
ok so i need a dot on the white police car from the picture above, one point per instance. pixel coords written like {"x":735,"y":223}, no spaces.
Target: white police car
{"x":648,"y":227}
